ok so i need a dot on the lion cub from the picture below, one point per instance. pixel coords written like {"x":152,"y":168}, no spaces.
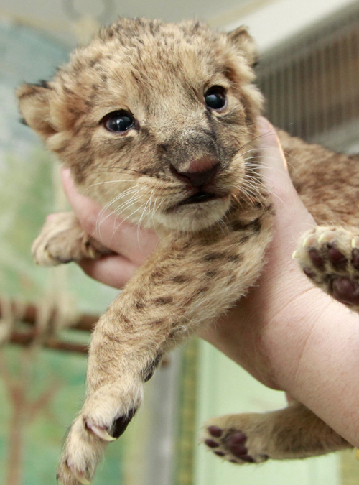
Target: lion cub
{"x":157,"y":122}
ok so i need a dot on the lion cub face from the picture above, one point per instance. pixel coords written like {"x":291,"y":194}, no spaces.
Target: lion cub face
{"x":154,"y":120}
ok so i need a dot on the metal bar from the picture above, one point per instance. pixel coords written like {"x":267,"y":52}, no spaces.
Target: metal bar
{"x":29,"y":315}
{"x":26,"y":339}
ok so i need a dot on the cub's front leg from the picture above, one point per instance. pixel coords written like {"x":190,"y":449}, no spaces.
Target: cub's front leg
{"x":188,"y":282}
{"x":62,"y":240}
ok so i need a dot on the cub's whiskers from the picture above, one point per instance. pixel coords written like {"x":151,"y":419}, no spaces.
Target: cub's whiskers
{"x":103,"y":215}
{"x":147,"y":208}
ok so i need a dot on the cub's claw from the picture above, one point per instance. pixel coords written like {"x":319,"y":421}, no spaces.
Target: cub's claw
{"x":83,"y":481}
{"x":117,"y":428}
{"x":99,"y":431}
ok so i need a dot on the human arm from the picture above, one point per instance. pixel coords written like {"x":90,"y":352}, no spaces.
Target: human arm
{"x":287,"y":333}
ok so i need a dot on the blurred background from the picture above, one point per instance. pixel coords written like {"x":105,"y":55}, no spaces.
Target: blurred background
{"x":308,"y":70}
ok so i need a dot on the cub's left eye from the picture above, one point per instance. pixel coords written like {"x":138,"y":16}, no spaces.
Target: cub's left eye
{"x":118,"y":121}
{"x":215,"y":98}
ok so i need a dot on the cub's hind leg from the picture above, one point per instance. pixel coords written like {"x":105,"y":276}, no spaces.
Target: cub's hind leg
{"x":329,"y":256}
{"x":290,"y":433}
{"x":63,"y":240}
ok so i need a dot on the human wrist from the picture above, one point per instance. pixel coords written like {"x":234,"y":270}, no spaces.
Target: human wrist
{"x":313,"y":353}
{"x":286,"y":337}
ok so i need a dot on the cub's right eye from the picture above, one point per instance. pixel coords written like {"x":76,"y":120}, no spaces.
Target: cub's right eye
{"x":118,"y":121}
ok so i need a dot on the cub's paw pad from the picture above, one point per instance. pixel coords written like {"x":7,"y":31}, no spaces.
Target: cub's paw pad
{"x":231,"y":445}
{"x":345,"y":290}
{"x":235,"y":443}
{"x":112,"y":432}
{"x":329,"y":256}
{"x":215,"y":431}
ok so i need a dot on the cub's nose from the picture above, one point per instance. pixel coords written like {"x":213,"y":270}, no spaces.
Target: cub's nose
{"x":200,"y":172}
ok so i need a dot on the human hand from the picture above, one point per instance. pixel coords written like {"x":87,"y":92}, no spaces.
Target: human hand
{"x":286,"y":332}
{"x":254,"y":333}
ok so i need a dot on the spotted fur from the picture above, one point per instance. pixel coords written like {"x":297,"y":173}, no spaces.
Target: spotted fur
{"x":190,"y":172}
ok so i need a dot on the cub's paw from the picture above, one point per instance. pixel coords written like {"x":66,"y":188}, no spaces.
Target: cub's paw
{"x":82,"y":452}
{"x":236,"y":439}
{"x":62,"y":240}
{"x":329,"y":256}
{"x":103,"y":419}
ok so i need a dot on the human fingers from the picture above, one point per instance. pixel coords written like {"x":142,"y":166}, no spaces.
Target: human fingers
{"x":287,"y":203}
{"x":273,"y":163}
{"x":112,"y":270}
{"x":133,"y":243}
{"x":245,"y":332}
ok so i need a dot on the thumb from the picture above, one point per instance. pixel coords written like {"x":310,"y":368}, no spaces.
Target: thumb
{"x":274,"y":168}
{"x":273,"y":162}
{"x":291,"y":214}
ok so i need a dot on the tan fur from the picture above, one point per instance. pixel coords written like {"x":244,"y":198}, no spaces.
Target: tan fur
{"x":291,"y":433}
{"x":62,"y":240}
{"x":210,"y":252}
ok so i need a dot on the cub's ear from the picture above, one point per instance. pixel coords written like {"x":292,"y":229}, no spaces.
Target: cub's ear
{"x":34,"y":105}
{"x":244,"y":42}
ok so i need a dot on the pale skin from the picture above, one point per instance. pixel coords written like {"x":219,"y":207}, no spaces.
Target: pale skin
{"x":287,"y":333}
